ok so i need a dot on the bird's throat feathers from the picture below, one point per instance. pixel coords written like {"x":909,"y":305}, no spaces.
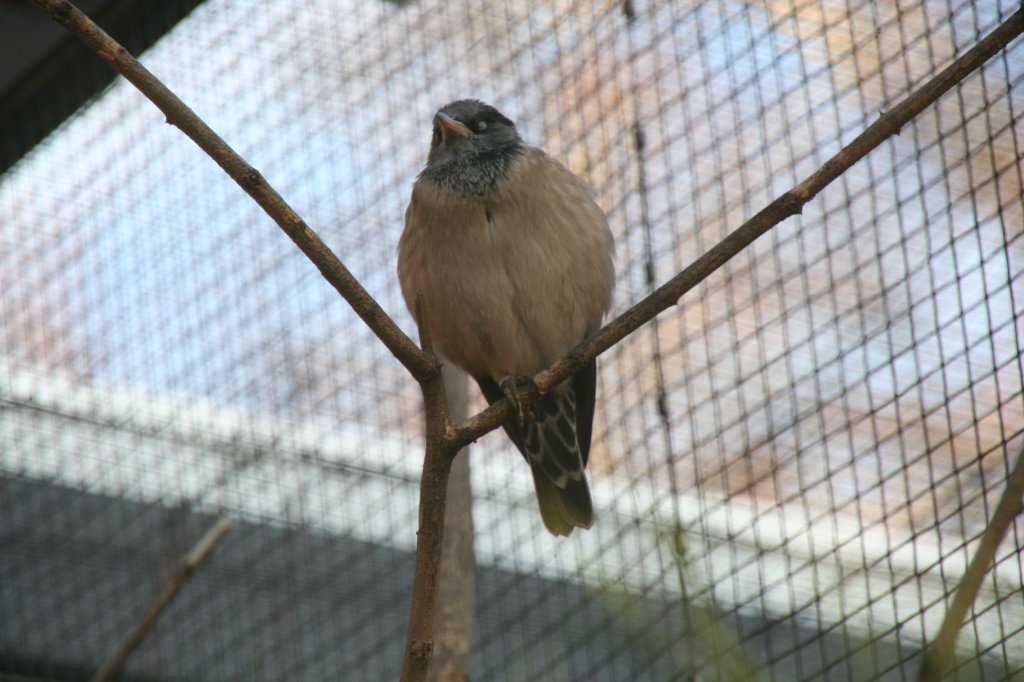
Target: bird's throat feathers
{"x":473,"y":174}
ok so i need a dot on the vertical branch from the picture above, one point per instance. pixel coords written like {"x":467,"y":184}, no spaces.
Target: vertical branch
{"x":419,"y":640}
{"x":453,"y":628}
{"x":938,"y":656}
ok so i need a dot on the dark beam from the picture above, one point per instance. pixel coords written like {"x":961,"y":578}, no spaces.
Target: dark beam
{"x":46,"y":74}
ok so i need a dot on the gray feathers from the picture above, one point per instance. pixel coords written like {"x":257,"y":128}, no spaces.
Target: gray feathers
{"x":472,"y":165}
{"x":471,"y":178}
{"x":552,"y":448}
{"x":550,"y":441}
{"x":557,"y":445}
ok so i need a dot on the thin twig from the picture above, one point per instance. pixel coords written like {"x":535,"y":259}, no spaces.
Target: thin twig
{"x":937,"y":657}
{"x":789,"y":204}
{"x":247,"y":177}
{"x":196,"y":556}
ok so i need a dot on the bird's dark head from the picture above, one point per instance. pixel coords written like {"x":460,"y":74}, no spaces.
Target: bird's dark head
{"x":473,"y":145}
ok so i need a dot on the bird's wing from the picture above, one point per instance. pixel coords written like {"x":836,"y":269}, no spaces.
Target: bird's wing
{"x":556,"y":444}
{"x":585,"y":390}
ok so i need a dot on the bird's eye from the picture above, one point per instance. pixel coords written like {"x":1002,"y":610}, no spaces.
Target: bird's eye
{"x":481,"y":126}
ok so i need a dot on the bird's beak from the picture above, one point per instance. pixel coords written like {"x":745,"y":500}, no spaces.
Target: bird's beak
{"x":450,"y":125}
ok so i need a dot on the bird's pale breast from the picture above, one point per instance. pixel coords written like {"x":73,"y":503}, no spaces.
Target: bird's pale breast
{"x":513,"y":280}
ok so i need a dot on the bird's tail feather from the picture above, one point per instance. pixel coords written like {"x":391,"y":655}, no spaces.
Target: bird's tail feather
{"x":563,"y":509}
{"x":553,"y":450}
{"x":556,"y":450}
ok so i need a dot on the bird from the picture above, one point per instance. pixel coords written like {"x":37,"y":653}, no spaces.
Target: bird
{"x":513,"y":261}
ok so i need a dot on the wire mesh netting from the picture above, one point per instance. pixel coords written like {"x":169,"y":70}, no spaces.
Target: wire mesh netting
{"x":791,"y":468}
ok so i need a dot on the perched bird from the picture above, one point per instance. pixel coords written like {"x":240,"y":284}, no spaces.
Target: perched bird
{"x":513,"y":259}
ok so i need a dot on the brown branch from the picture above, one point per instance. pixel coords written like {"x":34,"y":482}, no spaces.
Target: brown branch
{"x":789,"y":204}
{"x":175,"y":582}
{"x":247,"y":177}
{"x":937,"y":657}
{"x":453,"y":614}
{"x":419,"y":642}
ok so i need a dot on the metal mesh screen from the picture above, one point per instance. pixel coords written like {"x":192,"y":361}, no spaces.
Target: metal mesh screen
{"x":791,"y":468}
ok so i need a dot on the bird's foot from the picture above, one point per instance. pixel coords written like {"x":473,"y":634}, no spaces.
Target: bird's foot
{"x":508,"y":387}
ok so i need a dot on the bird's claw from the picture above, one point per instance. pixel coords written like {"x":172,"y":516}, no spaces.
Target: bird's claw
{"x":508,"y":387}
